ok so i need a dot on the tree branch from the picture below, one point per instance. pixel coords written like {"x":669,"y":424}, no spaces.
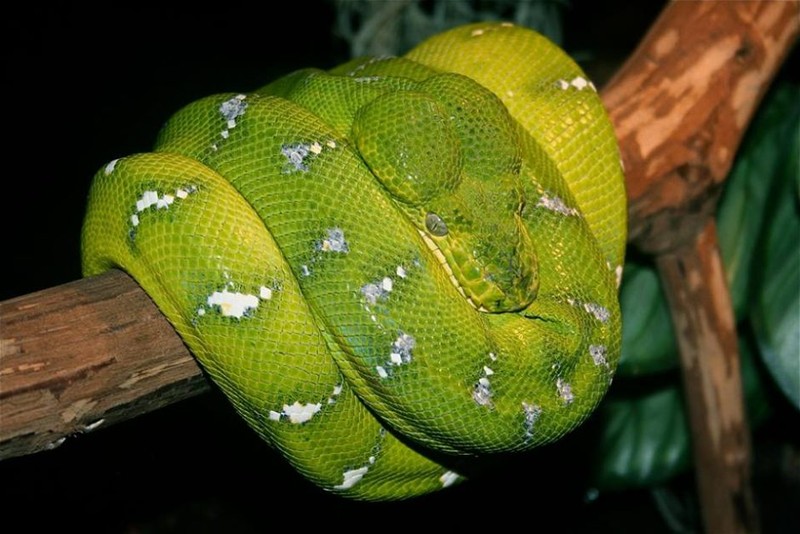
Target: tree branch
{"x":83,"y":355}
{"x":680,"y":106}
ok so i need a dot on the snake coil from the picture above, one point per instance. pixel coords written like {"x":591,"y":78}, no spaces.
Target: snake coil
{"x":391,"y":267}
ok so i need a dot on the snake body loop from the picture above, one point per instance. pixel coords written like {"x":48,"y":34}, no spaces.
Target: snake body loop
{"x":391,"y":267}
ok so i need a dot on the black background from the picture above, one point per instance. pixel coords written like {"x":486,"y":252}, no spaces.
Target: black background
{"x":83,"y":86}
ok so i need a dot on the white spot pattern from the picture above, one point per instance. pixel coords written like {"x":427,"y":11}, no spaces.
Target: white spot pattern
{"x":578,"y":82}
{"x":233,"y":108}
{"x":532,"y":414}
{"x":152,"y":198}
{"x":375,"y":291}
{"x":299,"y":154}
{"x":598,"y":353}
{"x":353,"y":476}
{"x":599,"y":312}
{"x":556,"y":204}
{"x":110,"y":167}
{"x":334,"y":241}
{"x":299,"y":412}
{"x":564,"y":391}
{"x":233,"y":304}
{"x":401,"y":349}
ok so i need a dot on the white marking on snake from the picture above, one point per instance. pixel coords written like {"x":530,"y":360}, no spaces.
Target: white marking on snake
{"x":493,"y":356}
{"x":233,"y":304}
{"x":151,"y":198}
{"x":233,"y":108}
{"x":110,"y":167}
{"x":373,"y":292}
{"x":482,"y":394}
{"x":337,"y":390}
{"x":532,"y":414}
{"x":487,"y":371}
{"x":557,"y":205}
{"x":299,"y":153}
{"x":564,"y":391}
{"x":401,"y":349}
{"x":165,"y":201}
{"x":334,"y":242}
{"x":401,"y":271}
{"x":598,"y":353}
{"x":381,"y":371}
{"x":274,"y":416}
{"x":618,"y":273}
{"x":305,"y":270}
{"x":599,"y":312}
{"x":299,"y":412}
{"x":225,"y":133}
{"x":351,"y":477}
{"x":579,"y":83}
{"x":201,"y":311}
{"x":476,"y":33}
{"x":296,"y":155}
{"x":449,"y":478}
{"x":563,"y":84}
{"x":265,"y":293}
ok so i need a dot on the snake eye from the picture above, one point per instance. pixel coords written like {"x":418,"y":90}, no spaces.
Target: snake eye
{"x":435,"y":225}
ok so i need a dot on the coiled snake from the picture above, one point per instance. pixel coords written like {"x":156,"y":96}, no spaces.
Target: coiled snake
{"x":390,"y":267}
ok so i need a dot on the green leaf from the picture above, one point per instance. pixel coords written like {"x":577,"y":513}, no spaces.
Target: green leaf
{"x":776,"y":308}
{"x":648,"y":341}
{"x":745,"y":204}
{"x":645,"y":436}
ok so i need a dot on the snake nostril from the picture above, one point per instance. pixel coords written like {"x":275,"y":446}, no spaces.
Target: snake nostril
{"x":435,"y":225}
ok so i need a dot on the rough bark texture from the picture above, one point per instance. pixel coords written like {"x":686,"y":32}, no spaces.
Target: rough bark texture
{"x":83,"y":355}
{"x":97,"y":351}
{"x":680,"y":106}
{"x":705,"y":327}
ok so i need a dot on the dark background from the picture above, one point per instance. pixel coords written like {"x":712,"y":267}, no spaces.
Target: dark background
{"x":82,"y":86}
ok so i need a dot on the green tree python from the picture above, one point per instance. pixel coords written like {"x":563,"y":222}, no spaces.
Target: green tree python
{"x":392,"y":267}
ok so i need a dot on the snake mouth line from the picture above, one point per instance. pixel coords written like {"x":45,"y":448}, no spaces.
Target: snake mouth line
{"x":433,"y":247}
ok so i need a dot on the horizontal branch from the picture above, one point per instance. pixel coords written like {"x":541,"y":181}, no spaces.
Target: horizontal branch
{"x":84,"y":355}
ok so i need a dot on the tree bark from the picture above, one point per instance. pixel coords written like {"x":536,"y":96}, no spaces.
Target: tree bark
{"x":680,"y":106}
{"x":84,"y":355}
{"x":705,"y":329}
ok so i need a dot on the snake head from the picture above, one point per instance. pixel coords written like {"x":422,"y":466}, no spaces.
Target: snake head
{"x":487,"y":253}
{"x":448,"y":153}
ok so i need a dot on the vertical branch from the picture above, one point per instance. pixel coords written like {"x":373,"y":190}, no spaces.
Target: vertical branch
{"x":706,"y":332}
{"x":680,"y":106}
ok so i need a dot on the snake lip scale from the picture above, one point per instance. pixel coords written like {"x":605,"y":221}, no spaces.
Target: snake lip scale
{"x":393,"y":268}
